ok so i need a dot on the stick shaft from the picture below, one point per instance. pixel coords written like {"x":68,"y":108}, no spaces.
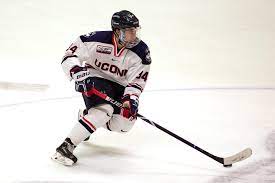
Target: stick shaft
{"x":118,"y":104}
{"x":218,"y":159}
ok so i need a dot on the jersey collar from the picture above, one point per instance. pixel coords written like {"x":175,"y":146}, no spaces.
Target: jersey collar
{"x":117,"y":54}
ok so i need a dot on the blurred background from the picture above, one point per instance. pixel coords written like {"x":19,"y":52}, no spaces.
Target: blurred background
{"x":228,"y":43}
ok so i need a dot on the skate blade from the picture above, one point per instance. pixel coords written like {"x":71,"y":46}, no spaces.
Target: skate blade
{"x":57,"y":157}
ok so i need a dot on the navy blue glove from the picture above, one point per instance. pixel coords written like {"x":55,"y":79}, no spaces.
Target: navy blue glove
{"x":81,"y":76}
{"x":129,"y":108}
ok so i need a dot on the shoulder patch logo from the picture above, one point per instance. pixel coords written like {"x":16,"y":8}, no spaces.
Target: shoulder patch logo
{"x":90,"y":34}
{"x":104,"y":49}
{"x":147,"y":57}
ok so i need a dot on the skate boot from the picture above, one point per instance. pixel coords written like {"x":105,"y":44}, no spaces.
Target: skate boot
{"x":64,"y":153}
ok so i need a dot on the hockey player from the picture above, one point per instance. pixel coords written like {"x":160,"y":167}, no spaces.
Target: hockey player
{"x":113,"y":62}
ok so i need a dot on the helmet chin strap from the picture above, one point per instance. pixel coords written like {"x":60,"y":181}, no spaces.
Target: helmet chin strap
{"x":122,"y":37}
{"x":118,"y":38}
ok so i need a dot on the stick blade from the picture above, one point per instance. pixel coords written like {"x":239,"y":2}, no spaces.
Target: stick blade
{"x":238,"y":157}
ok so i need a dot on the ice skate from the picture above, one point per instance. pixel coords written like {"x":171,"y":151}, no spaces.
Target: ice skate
{"x":64,"y":153}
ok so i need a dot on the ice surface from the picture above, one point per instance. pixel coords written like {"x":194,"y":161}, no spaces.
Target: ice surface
{"x":222,"y":122}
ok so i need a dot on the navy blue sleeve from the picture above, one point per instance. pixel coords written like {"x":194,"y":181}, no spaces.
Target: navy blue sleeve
{"x":142,"y":50}
{"x":97,"y":36}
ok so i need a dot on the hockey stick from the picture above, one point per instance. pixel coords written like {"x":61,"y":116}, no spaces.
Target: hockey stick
{"x":227,"y":162}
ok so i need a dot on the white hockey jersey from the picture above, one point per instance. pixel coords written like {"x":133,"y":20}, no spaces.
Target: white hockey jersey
{"x":98,"y":51}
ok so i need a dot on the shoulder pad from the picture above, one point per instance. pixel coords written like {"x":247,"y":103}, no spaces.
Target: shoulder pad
{"x":143,"y":52}
{"x":97,"y":36}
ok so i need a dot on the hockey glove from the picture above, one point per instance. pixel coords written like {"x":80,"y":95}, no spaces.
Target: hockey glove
{"x":129,"y":106}
{"x":81,"y":76}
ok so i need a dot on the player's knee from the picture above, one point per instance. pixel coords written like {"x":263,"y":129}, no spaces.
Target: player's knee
{"x":106,"y":108}
{"x":120,"y":124}
{"x":96,"y":117}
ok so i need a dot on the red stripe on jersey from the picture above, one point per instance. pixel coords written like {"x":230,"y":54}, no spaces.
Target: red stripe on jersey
{"x":120,"y":52}
{"x":115,"y":45}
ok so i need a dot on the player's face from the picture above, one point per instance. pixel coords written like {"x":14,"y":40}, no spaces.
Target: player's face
{"x":131,"y":34}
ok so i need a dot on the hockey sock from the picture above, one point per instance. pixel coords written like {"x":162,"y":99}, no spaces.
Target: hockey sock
{"x":78,"y":134}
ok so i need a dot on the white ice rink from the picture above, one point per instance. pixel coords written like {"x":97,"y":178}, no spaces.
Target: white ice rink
{"x":212,"y":82}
